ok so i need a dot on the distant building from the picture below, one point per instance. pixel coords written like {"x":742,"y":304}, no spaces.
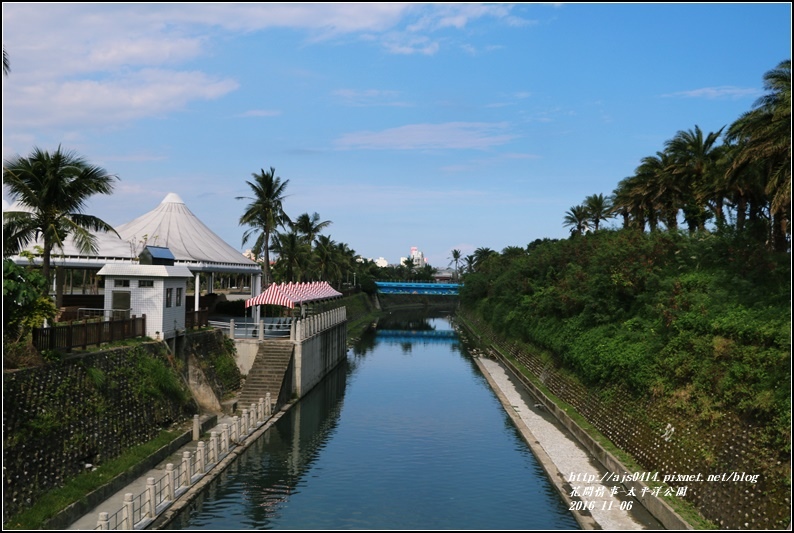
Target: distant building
{"x":417,"y":257}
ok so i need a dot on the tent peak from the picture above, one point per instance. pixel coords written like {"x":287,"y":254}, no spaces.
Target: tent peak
{"x":172,"y":198}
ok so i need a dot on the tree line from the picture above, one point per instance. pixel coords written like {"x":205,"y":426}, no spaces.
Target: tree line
{"x":743,"y":182}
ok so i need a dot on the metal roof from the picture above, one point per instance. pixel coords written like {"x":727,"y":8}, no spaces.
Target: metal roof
{"x":144,"y":271}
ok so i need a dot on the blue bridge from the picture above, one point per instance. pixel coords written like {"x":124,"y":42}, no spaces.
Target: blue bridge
{"x":425,"y":337}
{"x":399,"y":287}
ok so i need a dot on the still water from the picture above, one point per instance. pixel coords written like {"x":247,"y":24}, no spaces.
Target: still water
{"x":406,"y":434}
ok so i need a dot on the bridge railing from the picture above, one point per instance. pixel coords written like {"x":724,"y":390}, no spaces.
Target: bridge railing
{"x":408,"y":287}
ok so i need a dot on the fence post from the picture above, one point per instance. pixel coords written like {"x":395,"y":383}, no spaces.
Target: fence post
{"x":85,"y":333}
{"x":200,"y":464}
{"x":196,"y":428}
{"x":169,"y":471}
{"x":225,"y":438}
{"x":110,"y":327}
{"x":69,"y":337}
{"x":261,"y":329}
{"x":262,"y":414}
{"x":186,"y":467}
{"x":235,"y":428}
{"x":268,"y":405}
{"x":129,"y":507}
{"x":213,"y":447}
{"x":231,"y":328}
{"x":143,"y":324}
{"x":256,"y":415}
{"x":103,"y":522}
{"x":150,"y":496}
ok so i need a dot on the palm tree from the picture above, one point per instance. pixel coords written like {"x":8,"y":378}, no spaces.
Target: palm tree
{"x":576,"y":218}
{"x":264,"y":214}
{"x":513,"y":251}
{"x":456,"y":259}
{"x":347,"y":261}
{"x":293,"y":253}
{"x":667,"y":192}
{"x":692,"y":158}
{"x":408,"y":263}
{"x":325,"y":259}
{"x":481,"y":255}
{"x":764,"y":136}
{"x":6,"y":63}
{"x":470,"y":262}
{"x":598,"y":209}
{"x":310,"y":226}
{"x":54,"y":188}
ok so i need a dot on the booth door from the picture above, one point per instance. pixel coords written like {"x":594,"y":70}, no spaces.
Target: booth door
{"x":120,"y":304}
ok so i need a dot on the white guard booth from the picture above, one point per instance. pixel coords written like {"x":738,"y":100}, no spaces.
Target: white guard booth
{"x":158,"y":291}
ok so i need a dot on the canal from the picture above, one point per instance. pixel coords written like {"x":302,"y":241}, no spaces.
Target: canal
{"x":405,"y":434}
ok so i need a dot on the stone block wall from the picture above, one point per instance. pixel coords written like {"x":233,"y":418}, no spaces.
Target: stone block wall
{"x":88,"y":409}
{"x":750,"y":485}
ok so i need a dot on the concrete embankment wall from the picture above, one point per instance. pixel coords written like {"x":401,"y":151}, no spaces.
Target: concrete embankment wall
{"x":316,"y":356}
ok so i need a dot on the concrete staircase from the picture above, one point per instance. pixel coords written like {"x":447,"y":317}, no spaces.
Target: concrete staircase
{"x":267,"y":372}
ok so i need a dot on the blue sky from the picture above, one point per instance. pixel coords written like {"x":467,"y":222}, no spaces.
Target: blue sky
{"x":440,"y":126}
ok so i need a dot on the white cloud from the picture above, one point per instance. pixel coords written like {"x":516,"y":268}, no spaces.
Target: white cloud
{"x":451,"y":135}
{"x":712,"y":93}
{"x":147,"y":93}
{"x":369,"y":97}
{"x":440,"y":16}
{"x":403,"y":44}
{"x":260,"y":113}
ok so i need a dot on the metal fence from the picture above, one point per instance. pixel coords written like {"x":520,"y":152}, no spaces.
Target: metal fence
{"x":270,"y":327}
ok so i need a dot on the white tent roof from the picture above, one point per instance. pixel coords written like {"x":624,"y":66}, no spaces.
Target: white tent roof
{"x":171,"y":225}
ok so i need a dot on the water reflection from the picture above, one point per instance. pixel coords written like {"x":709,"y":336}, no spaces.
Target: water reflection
{"x":390,"y":440}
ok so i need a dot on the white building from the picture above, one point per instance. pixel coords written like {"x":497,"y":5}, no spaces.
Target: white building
{"x":171,"y":224}
{"x":157,"y":291}
{"x":417,"y":257}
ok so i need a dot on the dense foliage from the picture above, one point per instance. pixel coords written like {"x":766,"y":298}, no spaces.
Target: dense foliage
{"x":701,"y":320}
{"x":24,"y":303}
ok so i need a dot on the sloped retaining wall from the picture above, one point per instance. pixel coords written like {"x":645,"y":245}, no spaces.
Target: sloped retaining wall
{"x":90,"y":408}
{"x":59,"y":418}
{"x":750,"y":488}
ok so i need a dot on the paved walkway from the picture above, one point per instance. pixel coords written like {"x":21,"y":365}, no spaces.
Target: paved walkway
{"x":115,"y":502}
{"x":561,"y":456}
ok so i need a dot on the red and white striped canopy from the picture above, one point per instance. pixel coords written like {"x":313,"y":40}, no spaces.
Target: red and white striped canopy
{"x":290,"y":294}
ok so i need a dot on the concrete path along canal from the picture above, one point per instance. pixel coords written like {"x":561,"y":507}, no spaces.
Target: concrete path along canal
{"x":561,"y":455}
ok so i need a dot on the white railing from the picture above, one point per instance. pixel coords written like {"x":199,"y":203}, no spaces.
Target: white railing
{"x":137,"y":512}
{"x":310,"y":326}
{"x":296,"y":330}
